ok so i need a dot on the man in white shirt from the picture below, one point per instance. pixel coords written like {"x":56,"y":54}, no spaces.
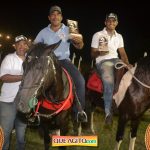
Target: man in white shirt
{"x":107,"y":57}
{"x":11,"y":75}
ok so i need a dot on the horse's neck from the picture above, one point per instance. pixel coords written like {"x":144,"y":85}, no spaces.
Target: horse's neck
{"x":59,"y":86}
{"x":56,"y":89}
{"x":59,"y":90}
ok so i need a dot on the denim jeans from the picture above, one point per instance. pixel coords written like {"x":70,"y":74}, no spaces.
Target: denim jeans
{"x":8,"y":121}
{"x":78,"y":81}
{"x":106,"y":70}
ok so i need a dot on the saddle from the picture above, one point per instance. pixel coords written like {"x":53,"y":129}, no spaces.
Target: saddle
{"x":95,"y":83}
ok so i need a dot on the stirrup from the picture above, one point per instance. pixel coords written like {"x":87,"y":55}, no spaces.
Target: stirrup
{"x":34,"y":120}
{"x":83,"y":115}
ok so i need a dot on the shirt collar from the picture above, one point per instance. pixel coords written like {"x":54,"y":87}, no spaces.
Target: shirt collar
{"x":105,"y":31}
{"x":62,"y":27}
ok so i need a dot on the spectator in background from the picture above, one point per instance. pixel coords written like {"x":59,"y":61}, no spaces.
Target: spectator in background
{"x":11,"y":76}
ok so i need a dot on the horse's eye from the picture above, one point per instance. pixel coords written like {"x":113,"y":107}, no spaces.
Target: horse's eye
{"x":29,"y":58}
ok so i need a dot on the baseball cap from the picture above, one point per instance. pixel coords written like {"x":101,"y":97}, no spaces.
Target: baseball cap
{"x":20,"y":38}
{"x":55,"y":8}
{"x":112,"y":15}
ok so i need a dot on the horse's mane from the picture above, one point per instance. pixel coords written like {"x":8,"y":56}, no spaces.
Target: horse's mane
{"x":144,"y":62}
{"x":38,"y":49}
{"x":142,"y":72}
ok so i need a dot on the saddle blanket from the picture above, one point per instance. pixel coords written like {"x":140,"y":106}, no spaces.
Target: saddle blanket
{"x":124,"y":84}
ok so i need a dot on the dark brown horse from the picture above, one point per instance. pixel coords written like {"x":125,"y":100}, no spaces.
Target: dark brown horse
{"x":46,"y":91}
{"x":133,"y":104}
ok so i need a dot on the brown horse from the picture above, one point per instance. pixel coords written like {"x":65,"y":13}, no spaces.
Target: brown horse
{"x":46,"y":91}
{"x":132,"y":105}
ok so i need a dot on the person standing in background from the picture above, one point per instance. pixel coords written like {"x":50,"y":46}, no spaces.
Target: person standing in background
{"x":11,"y":75}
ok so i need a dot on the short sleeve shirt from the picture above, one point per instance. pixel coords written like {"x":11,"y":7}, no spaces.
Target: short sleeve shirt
{"x":12,"y":65}
{"x":114,"y":42}
{"x":48,"y":36}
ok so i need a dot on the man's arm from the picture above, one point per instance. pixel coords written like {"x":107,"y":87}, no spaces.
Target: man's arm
{"x":7,"y":78}
{"x":123,"y":55}
{"x":77,"y":42}
{"x":95,"y":52}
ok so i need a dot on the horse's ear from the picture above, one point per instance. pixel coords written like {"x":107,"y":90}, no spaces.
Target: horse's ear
{"x":53,"y":46}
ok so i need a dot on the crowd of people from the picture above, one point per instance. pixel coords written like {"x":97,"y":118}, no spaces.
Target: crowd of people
{"x":11,"y":68}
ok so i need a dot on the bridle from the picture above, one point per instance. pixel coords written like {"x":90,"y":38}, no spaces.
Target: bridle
{"x":33,"y":101}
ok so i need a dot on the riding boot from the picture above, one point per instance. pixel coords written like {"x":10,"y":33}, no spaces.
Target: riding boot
{"x":108,"y":119}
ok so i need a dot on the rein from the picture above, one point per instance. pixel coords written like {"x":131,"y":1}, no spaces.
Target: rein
{"x":129,"y":69}
{"x":33,"y":101}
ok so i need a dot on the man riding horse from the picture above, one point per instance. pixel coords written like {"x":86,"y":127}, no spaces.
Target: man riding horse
{"x":54,"y":32}
{"x":104,"y":48}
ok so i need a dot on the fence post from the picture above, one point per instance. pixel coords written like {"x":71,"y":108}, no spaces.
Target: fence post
{"x":73,"y":57}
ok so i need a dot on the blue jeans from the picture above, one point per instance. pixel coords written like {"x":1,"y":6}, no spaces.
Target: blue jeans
{"x":8,"y":121}
{"x":106,"y":70}
{"x":77,"y":79}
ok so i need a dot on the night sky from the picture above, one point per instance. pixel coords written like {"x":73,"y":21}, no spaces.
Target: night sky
{"x":29,"y":17}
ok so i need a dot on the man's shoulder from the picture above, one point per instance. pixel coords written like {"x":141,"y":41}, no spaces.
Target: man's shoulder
{"x":10,"y":55}
{"x":45,"y":29}
{"x":8,"y":58}
{"x":118,"y":35}
{"x":99,"y":33}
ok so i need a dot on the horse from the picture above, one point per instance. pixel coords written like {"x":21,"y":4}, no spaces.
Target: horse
{"x":132,"y":105}
{"x":46,"y":91}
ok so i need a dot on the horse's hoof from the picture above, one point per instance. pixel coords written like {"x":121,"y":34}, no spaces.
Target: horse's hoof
{"x":108,"y":120}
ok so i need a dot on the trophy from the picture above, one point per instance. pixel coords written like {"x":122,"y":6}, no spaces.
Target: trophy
{"x":103,"y":44}
{"x":73,"y":28}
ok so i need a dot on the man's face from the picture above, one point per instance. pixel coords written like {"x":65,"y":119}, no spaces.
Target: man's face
{"x":21,"y":47}
{"x":55,"y":18}
{"x":111,"y":23}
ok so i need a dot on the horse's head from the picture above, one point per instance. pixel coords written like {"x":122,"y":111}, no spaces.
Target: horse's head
{"x":39,"y":71}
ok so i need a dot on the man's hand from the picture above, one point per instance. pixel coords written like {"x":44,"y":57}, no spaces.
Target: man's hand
{"x":77,"y":40}
{"x":130,"y":66}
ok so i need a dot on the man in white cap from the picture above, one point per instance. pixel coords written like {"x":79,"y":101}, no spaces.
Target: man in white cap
{"x":11,"y":76}
{"x":106,"y":58}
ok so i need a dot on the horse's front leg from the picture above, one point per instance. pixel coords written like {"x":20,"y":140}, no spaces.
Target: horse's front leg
{"x":46,"y":139}
{"x":134,"y":127}
{"x":76,"y":125}
{"x":120,"y":130}
{"x":89,"y":126}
